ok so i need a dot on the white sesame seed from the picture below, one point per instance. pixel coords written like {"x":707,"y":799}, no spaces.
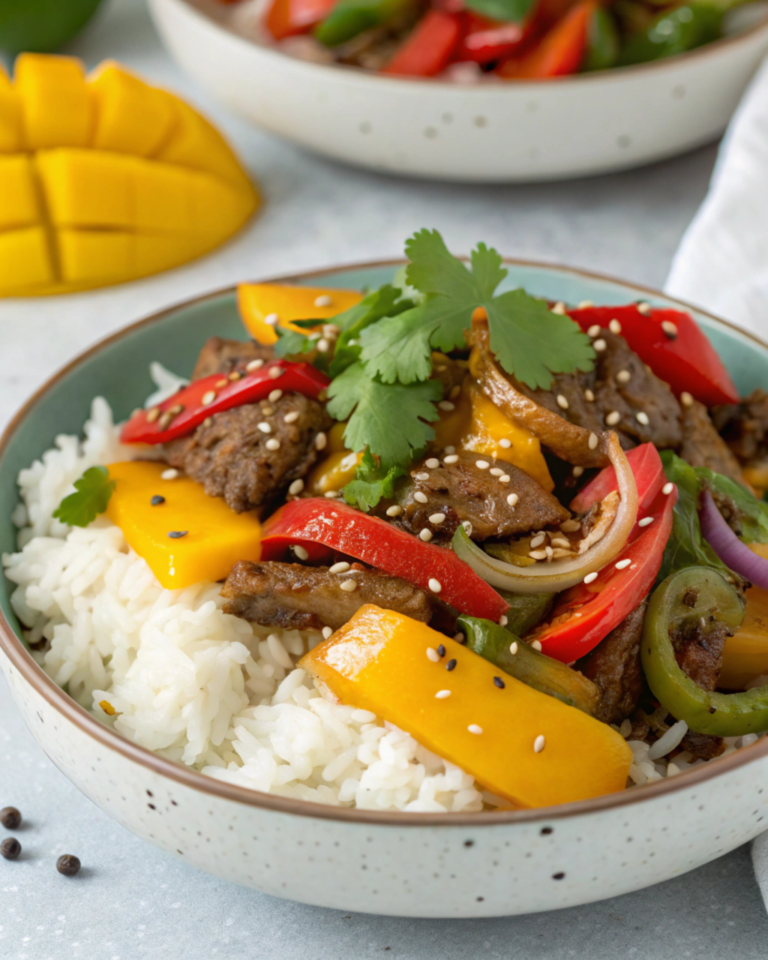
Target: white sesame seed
{"x":450,"y":449}
{"x":537,"y":541}
{"x":668,"y":488}
{"x":512,"y":499}
{"x":169,"y":474}
{"x":421,"y":476}
{"x":623,"y":376}
{"x":686,"y":399}
{"x":570,"y":526}
{"x":296,"y":487}
{"x":321,"y":441}
{"x":331,"y":494}
{"x":272,"y":444}
{"x":538,"y":554}
{"x":562,"y":401}
{"x":594,"y":330}
{"x":275,"y":396}
{"x":267,"y":410}
{"x":433,"y":463}
{"x":447,"y":405}
{"x":341,"y":567}
{"x":323,"y":345}
{"x":420,"y":497}
{"x":496,"y":472}
{"x":433,"y":655}
{"x":208,"y":397}
{"x":264,"y":427}
{"x":599,"y":345}
{"x":434,"y":585}
{"x":300,"y":552}
{"x":256,"y":364}
{"x":559,"y":307}
{"x":577,"y":471}
{"x":593,"y":441}
{"x":425,"y":535}
{"x":394,"y":511}
{"x":272,"y":319}
{"x":613,"y":418}
{"x":589,"y":395}
{"x":327,"y":632}
{"x":349,"y":586}
{"x":323,"y":301}
{"x":590,"y":577}
{"x":291,"y":417}
{"x":645,"y":522}
{"x":669,"y":328}
{"x":453,"y":458}
{"x":503,"y":621}
{"x":644,"y":308}
{"x":539,"y":743}
{"x":505,"y":443}
{"x":437,"y":518}
{"x":442,"y":694}
{"x":643,"y":418}
{"x":474,"y":728}
{"x":614,"y":326}
{"x":623,"y":564}
{"x":275,"y":372}
{"x":467,"y":526}
{"x":586,"y":304}
{"x":482,"y":464}
{"x":505,"y":478}
{"x":455,"y":391}
{"x":561,"y":542}
{"x":207,"y":422}
{"x":331,"y":331}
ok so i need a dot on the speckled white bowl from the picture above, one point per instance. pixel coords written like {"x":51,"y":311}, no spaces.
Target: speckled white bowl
{"x":424,"y":865}
{"x":502,"y":132}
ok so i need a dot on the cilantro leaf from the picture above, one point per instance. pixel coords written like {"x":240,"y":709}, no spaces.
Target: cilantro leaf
{"x":94,"y":489}
{"x":389,"y":419}
{"x":532,"y":343}
{"x":371,"y":483}
{"x":384,"y":302}
{"x":291,"y":342}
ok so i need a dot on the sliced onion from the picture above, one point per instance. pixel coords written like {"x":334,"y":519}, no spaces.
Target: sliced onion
{"x":561,"y":574}
{"x":734,"y":553}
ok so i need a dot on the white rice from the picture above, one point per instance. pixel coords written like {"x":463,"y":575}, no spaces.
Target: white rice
{"x":188,"y":681}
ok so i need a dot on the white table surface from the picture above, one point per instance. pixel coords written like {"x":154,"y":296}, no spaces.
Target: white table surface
{"x":131,"y":901}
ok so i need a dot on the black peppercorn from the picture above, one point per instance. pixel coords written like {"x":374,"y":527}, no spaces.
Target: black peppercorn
{"x":10,"y":818}
{"x":68,"y":865}
{"x":10,"y":848}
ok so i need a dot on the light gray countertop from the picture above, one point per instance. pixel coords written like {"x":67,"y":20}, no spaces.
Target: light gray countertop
{"x":132,"y":901}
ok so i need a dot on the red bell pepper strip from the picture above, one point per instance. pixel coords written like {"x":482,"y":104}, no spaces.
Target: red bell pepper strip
{"x":649,"y":477}
{"x":315,"y":521}
{"x":185,"y":411}
{"x":559,"y":52}
{"x":484,"y":40}
{"x":587,"y":613}
{"x":674,"y":347}
{"x":288,"y":18}
{"x":428,"y":49}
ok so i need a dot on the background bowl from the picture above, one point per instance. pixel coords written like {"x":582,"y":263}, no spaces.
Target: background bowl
{"x":500,"y":132}
{"x":429,"y":865}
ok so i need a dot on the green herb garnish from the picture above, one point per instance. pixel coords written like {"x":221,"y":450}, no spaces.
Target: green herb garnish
{"x":371,"y":483}
{"x":94,"y":489}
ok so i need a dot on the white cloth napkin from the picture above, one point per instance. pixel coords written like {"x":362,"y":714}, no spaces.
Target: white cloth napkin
{"x":722,"y":262}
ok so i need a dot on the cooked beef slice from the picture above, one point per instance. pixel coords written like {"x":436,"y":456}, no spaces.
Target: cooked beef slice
{"x":702,"y":746}
{"x":464,"y":491}
{"x":614,"y":665}
{"x":293,"y":596}
{"x":224,"y":356}
{"x":744,"y":427}
{"x":620,"y":383}
{"x":228,"y":453}
{"x":449,"y":372}
{"x":703,"y":446}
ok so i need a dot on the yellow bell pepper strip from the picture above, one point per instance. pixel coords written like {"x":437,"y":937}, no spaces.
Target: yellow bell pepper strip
{"x":263,"y":306}
{"x":184,"y":535}
{"x":697,"y":598}
{"x":322,"y":526}
{"x":745,"y":655}
{"x":333,"y":473}
{"x":518,"y":743}
{"x":189,"y":407}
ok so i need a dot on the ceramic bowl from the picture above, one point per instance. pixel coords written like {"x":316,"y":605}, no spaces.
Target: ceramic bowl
{"x":500,"y":132}
{"x":425,"y":865}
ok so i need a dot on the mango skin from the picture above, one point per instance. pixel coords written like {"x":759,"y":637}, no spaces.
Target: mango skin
{"x":106,"y":179}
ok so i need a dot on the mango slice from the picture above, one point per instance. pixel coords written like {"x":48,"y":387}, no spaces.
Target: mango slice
{"x":520,"y":744}
{"x":209,"y":537}
{"x":259,"y":301}
{"x":106,"y":179}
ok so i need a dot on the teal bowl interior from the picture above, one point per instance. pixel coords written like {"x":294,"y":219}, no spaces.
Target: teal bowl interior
{"x":118,"y":369}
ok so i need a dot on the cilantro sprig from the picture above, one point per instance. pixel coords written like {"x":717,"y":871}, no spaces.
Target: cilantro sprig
{"x":91,"y":498}
{"x":372,"y":483}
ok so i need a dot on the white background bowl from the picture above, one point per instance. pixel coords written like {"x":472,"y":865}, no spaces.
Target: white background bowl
{"x":503,"y":132}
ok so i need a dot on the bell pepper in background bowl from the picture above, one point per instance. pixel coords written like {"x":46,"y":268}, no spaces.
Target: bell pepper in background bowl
{"x":558,"y":53}
{"x":42,"y":26}
{"x":348,"y":18}
{"x":289,"y":18}
{"x":429,"y":48}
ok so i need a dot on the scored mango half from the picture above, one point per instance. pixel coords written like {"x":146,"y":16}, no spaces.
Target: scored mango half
{"x":106,"y":179}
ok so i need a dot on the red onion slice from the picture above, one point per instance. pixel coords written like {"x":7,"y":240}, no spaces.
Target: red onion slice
{"x":733,"y":552}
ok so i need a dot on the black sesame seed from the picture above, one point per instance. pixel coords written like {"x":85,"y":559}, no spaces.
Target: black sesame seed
{"x":10,"y":848}
{"x":178,"y":534}
{"x":157,"y":500}
{"x":441,"y":650}
{"x":545,"y":831}
{"x":499,"y":683}
{"x":10,"y":818}
{"x":68,"y":865}
{"x":451,"y":665}
{"x":558,"y":876}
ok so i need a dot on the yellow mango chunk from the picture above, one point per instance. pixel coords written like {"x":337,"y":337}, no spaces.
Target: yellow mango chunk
{"x":745,"y":655}
{"x":257,"y":301}
{"x":378,"y":661}
{"x":333,"y":473}
{"x":118,"y":179}
{"x":55,"y":102}
{"x":215,"y":537}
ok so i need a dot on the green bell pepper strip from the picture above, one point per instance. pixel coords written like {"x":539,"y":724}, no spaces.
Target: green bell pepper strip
{"x":526,"y":610}
{"x":688,"y":597}
{"x":602,"y":42}
{"x":351,"y":17}
{"x":672,"y":32}
{"x":544,"y":674}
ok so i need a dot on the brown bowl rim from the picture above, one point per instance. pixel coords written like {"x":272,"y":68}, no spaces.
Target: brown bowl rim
{"x":34,"y":675}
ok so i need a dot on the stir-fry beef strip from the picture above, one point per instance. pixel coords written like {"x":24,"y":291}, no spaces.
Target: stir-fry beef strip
{"x":251,"y":454}
{"x":703,"y":446}
{"x":615,"y":667}
{"x":293,"y":596}
{"x":449,"y":372}
{"x":744,"y":427}
{"x":495,"y":497}
{"x":225,"y":356}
